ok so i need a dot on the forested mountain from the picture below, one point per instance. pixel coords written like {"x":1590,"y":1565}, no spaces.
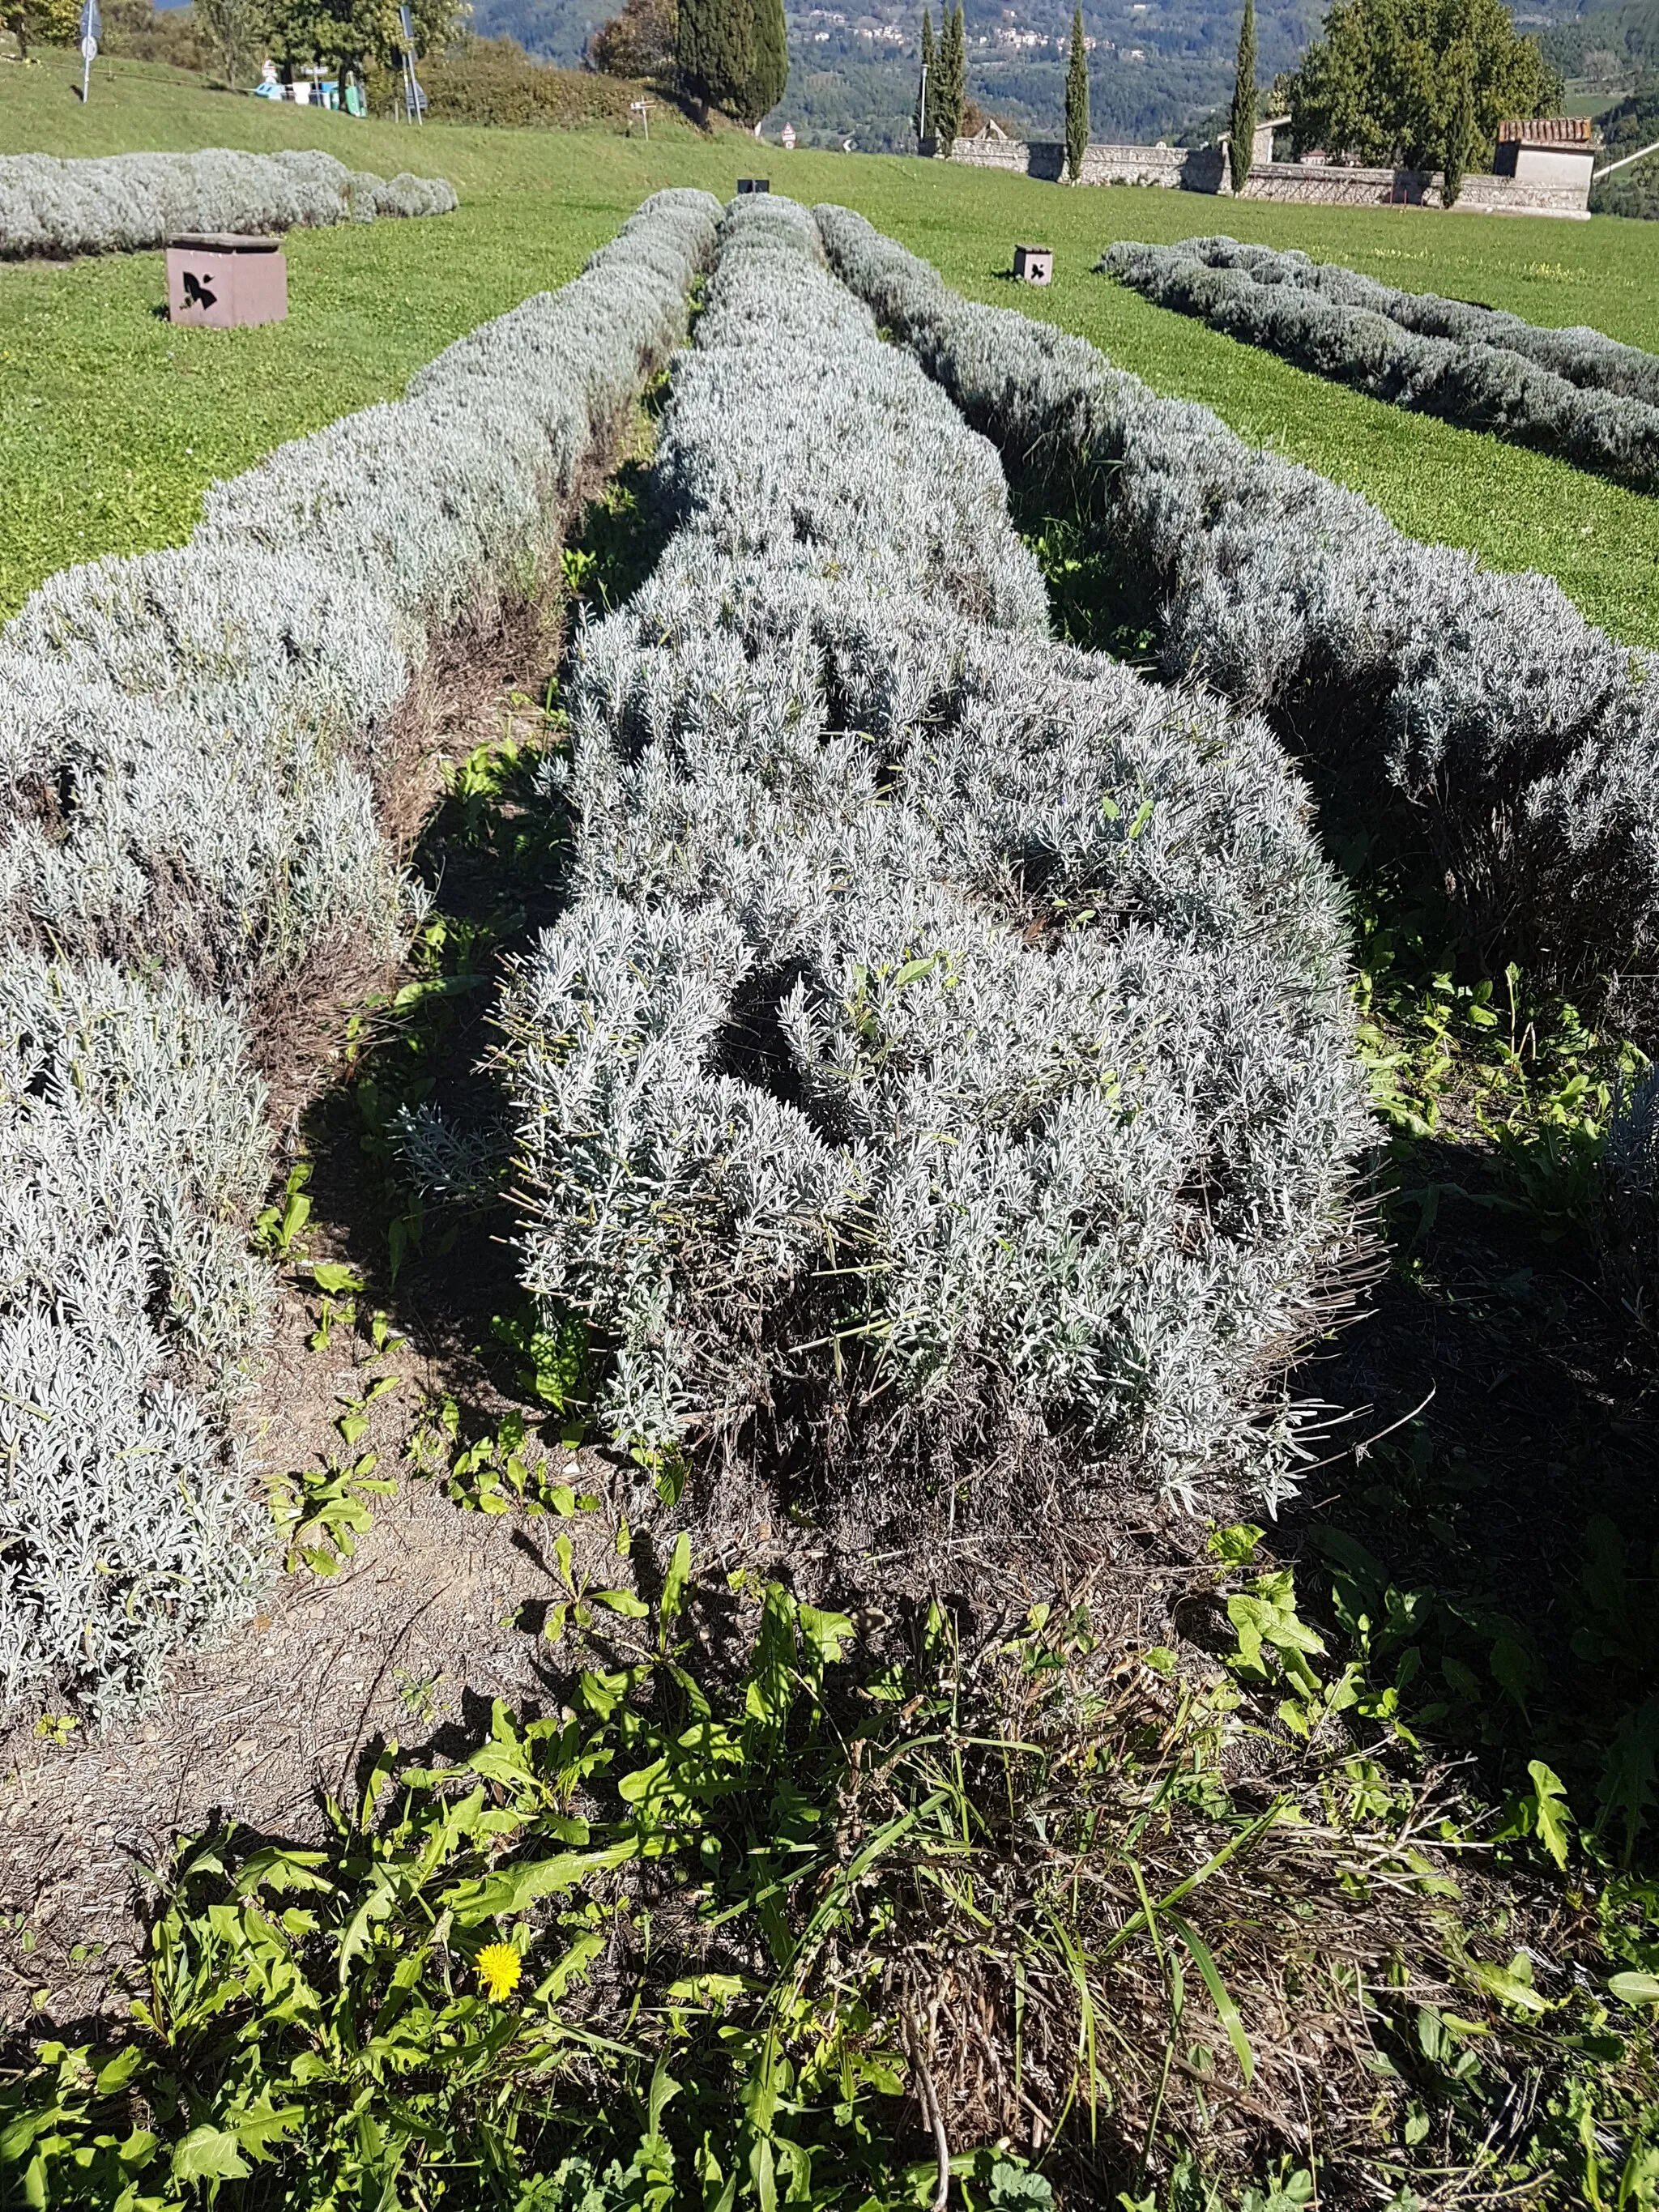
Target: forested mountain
{"x":1158,"y":69}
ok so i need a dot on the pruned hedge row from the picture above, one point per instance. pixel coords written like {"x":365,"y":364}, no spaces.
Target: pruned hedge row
{"x":123,"y":202}
{"x":193,"y":751}
{"x":1583,"y":356}
{"x":1479,"y":385}
{"x":1477,"y":711}
{"x":942,"y":1076}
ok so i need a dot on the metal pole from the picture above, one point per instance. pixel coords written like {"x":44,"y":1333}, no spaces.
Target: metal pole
{"x":922,"y":111}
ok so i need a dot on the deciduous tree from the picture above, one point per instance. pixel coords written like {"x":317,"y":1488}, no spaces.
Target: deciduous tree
{"x":235,"y":31}
{"x":41,"y":22}
{"x":640,"y":42}
{"x":1387,"y":79}
{"x":351,"y":34}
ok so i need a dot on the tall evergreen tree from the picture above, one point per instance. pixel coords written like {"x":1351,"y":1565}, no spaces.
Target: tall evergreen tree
{"x":1077,"y":101}
{"x":1241,"y":137}
{"x":769,"y":71}
{"x":1462,"y":136}
{"x":714,"y":52}
{"x":952,"y":67}
{"x":926,"y":86}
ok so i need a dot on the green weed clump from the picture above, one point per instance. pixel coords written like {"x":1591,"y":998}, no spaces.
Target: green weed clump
{"x":761,"y":1916}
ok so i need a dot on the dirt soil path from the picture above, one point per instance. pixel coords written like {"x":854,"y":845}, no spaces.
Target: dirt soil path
{"x":438,"y":1614}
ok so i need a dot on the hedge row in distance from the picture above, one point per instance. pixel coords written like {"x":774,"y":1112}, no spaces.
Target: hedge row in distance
{"x":941,"y":1087}
{"x":1476,"y":385}
{"x":1583,"y":356}
{"x":1478,"y":712}
{"x":192,"y":749}
{"x":124,"y":203}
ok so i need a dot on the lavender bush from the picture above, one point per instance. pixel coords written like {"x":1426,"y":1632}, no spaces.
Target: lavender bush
{"x":123,"y":202}
{"x":1583,"y":356}
{"x":940,"y":1085}
{"x":1481,"y":712}
{"x":190,"y":749}
{"x":1477,"y":383}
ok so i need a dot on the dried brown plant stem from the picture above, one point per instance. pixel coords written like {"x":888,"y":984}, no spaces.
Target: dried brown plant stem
{"x":930,"y":2108}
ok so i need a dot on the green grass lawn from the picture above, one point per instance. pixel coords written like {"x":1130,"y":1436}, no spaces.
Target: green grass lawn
{"x":112,"y":423}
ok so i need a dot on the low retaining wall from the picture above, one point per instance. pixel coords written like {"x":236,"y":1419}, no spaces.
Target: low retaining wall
{"x":1194,"y":169}
{"x":1204,"y":169}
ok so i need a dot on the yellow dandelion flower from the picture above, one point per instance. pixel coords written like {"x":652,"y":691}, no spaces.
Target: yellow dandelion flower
{"x":499,"y":1968}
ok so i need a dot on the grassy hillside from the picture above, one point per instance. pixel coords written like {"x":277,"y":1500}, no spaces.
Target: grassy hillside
{"x":111,"y":422}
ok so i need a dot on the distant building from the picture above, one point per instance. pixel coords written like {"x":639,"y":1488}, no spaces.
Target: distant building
{"x":1555,"y":150}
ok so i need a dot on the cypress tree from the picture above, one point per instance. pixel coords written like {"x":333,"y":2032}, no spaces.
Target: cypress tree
{"x":953,"y":82}
{"x":769,"y":71}
{"x":927,"y":85}
{"x":1077,"y":101}
{"x":714,"y":51}
{"x":1462,"y":132}
{"x":1241,"y":142}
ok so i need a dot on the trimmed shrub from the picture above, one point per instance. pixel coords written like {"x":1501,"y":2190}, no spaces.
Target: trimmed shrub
{"x":1476,"y":384}
{"x":1478,"y":712}
{"x":940,"y":1086}
{"x":133,"y":1148}
{"x":193,"y":751}
{"x":124,"y":203}
{"x":1583,"y":356}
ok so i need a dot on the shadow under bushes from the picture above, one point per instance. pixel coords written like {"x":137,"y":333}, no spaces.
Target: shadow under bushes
{"x":493,"y":859}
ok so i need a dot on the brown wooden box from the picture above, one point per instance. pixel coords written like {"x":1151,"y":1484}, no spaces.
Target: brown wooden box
{"x":222,"y":282}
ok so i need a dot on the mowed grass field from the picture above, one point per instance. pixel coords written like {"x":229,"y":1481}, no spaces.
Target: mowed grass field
{"x":112,"y":423}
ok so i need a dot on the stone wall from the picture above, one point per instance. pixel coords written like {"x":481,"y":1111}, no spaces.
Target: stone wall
{"x":1172,"y":167}
{"x":1204,"y":169}
{"x":1313,"y":185}
{"x":1524,"y":196}
{"x":1318,"y":185}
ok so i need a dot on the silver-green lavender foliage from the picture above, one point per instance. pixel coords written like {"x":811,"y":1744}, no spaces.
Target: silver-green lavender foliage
{"x":944,"y":1057}
{"x":123,"y":202}
{"x":1583,"y":356}
{"x":189,"y":747}
{"x":1479,"y":384}
{"x":1525,"y":740}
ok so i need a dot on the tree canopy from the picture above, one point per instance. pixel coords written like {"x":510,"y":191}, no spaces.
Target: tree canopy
{"x":1240,"y":137}
{"x":945,"y":99}
{"x":1077,"y":101}
{"x":639,"y":42}
{"x":349,"y":34}
{"x":769,"y":67}
{"x":733,"y":54}
{"x":41,"y":22}
{"x":1414,"y":81}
